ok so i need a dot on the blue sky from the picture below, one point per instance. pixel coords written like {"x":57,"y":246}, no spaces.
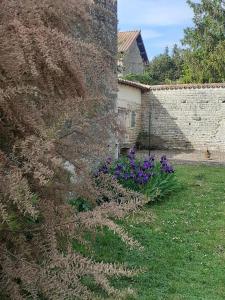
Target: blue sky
{"x":161,"y":21}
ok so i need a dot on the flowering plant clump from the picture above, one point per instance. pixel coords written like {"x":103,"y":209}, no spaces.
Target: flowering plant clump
{"x":132,"y":169}
{"x":165,"y":165}
{"x":149,"y":176}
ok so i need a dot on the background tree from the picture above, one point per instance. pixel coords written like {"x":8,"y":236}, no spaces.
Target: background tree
{"x":205,"y":59}
{"x":53,"y":111}
{"x":178,"y":60}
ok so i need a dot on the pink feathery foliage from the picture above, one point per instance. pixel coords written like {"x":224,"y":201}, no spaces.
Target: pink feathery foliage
{"x":53,"y":110}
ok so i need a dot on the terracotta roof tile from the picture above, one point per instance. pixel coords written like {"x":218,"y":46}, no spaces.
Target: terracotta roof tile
{"x":125,"y":39}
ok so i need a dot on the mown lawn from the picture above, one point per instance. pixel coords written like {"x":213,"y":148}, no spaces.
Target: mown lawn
{"x":183,"y":239}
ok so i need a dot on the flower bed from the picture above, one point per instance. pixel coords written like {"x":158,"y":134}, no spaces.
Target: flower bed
{"x":154,"y":178}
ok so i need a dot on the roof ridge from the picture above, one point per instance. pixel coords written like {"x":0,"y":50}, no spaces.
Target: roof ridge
{"x":135,"y":30}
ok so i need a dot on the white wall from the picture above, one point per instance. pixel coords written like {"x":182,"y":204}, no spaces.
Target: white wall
{"x":129,"y":100}
{"x":128,"y":96}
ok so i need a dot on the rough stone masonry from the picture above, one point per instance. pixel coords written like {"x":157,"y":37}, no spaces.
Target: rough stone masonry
{"x":190,"y":117}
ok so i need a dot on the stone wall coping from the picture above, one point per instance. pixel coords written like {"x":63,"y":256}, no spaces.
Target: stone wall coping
{"x":187,"y":86}
{"x":135,"y":84}
{"x":145,"y":87}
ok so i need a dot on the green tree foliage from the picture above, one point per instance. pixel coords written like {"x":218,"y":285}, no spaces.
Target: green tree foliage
{"x":205,"y":59}
{"x":144,"y":78}
{"x":178,"y":60}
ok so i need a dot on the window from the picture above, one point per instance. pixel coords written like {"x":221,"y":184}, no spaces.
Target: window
{"x":122,"y":114}
{"x":133,"y":119}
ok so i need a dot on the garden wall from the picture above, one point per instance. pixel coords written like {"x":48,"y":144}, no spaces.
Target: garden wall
{"x":185,"y":116}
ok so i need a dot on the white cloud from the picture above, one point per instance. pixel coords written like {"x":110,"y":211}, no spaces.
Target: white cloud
{"x":154,"y":12}
{"x":150,"y":34}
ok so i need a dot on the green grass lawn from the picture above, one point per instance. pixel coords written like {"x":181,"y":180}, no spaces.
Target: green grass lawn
{"x":183,"y":238}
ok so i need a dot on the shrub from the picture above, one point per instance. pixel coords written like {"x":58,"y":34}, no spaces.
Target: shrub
{"x":156,"y":179}
{"x":54,"y":115}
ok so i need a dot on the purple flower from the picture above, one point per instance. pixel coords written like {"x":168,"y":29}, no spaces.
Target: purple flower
{"x":117,"y":173}
{"x":126,"y":176}
{"x":132,"y":164}
{"x":119,"y":167}
{"x":165,"y":165}
{"x":163,"y":159}
{"x":132,"y":175}
{"x":131,"y":153}
{"x":142,"y":180}
{"x":168,"y":169}
{"x":147,"y":165}
{"x":140,"y":174}
{"x":145,"y":178}
{"x":104,"y":169}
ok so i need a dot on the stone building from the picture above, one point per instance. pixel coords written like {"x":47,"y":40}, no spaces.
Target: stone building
{"x":132,"y":56}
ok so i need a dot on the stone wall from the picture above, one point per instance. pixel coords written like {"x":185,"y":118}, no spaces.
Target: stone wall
{"x":100,"y":31}
{"x":185,"y":117}
{"x":132,"y":61}
{"x":104,"y":36}
{"x":96,"y":33}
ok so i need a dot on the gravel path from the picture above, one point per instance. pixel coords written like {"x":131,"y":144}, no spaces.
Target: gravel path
{"x":188,"y":157}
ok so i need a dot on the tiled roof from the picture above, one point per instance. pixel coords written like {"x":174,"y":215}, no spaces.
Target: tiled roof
{"x":126,"y":39}
{"x":134,"y":84}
